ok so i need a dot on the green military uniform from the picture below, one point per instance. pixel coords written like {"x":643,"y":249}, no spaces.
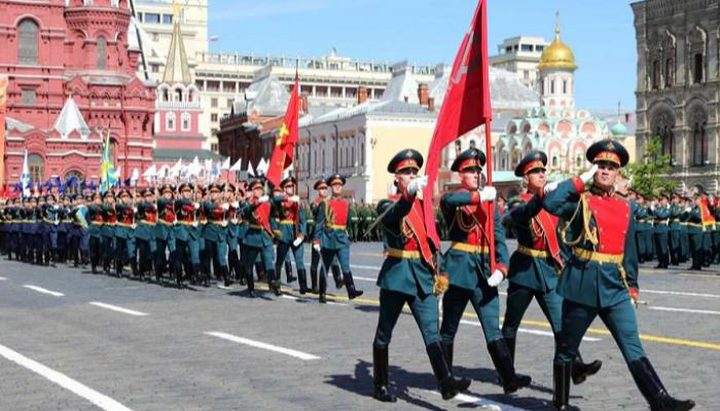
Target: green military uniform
{"x":187,"y":236}
{"x":675,"y":234}
{"x":258,"y":240}
{"x":147,"y":219}
{"x":406,"y":277}
{"x":643,"y":232}
{"x":125,"y":236}
{"x":107,"y":232}
{"x":291,"y":233}
{"x":661,"y":229}
{"x":601,"y":275}
{"x":215,"y":234}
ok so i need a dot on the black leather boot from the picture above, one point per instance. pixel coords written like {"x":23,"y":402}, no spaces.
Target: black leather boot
{"x":302,"y":280}
{"x":336,"y":276}
{"x":350,"y":286}
{"x":504,"y":365}
{"x":462,"y":384}
{"x":561,"y":385}
{"x":446,"y":382}
{"x":323,"y":289}
{"x":380,"y":375}
{"x":273,"y":279}
{"x":313,"y":281}
{"x":178,"y":274}
{"x":510,"y":342}
{"x":653,"y":390}
{"x":580,"y":370}
{"x":250,"y":280}
{"x":288,"y":273}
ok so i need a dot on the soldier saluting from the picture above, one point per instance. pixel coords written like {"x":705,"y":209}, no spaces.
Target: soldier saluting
{"x":407,"y":276}
{"x":468,"y":264}
{"x":536,"y":262}
{"x":600,"y":277}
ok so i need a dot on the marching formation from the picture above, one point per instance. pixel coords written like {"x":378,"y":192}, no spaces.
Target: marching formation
{"x":576,"y":257}
{"x":190,"y":234}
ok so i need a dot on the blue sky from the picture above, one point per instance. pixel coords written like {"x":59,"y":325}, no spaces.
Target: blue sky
{"x":601,"y":33}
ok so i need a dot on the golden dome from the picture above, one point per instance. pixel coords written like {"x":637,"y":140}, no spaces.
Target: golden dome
{"x":557,"y":55}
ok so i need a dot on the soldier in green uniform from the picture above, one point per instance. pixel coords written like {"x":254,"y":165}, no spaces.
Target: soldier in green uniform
{"x":258,"y":239}
{"x":291,"y":227}
{"x":684,"y":231}
{"x":50,"y":222}
{"x":107,"y":231}
{"x":331,"y":236}
{"x":641,"y":215}
{"x":535,"y":264}
{"x":95,"y":220}
{"x":696,"y":232}
{"x":674,"y":230}
{"x":187,"y":234}
{"x":233,"y":227}
{"x":147,"y":219}
{"x":215,"y":232}
{"x":601,"y":276}
{"x":407,"y":276}
{"x":661,"y":224}
{"x":165,"y":233}
{"x":125,"y":234}
{"x":468,"y":264}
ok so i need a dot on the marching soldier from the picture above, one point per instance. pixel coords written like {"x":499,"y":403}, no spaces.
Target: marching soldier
{"x":708,"y":225}
{"x":188,"y":234}
{"x":407,"y":276}
{"x":331,"y":236}
{"x":641,"y":215}
{"x":165,"y":233}
{"x":321,"y":187}
{"x":685,"y":252}
{"x":536,"y":262}
{"x":215,"y":233}
{"x":125,"y":234}
{"x":696,"y":230}
{"x":107,"y":231}
{"x":601,"y":276}
{"x":674,"y":230}
{"x":95,"y":218}
{"x":661,"y":224}
{"x":258,"y":240}
{"x":233,"y":227}
{"x":147,"y":219}
{"x":292,"y":230}
{"x":50,"y":223}
{"x":468,"y":265}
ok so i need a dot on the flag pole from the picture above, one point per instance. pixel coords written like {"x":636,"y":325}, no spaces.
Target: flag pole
{"x":491,"y":204}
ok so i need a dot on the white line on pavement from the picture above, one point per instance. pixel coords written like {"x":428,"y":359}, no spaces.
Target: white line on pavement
{"x":102,"y":401}
{"x":265,"y":346}
{"x":528,"y":331}
{"x":684,"y":294}
{"x":43,"y":290}
{"x":366,"y":267}
{"x":292,"y":297}
{"x":480,"y":402}
{"x":118,"y":309}
{"x":364,"y":278}
{"x":684,"y":310}
{"x":3,"y":278}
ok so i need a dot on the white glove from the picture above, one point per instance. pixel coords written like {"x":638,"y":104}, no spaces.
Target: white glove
{"x":316,"y":247}
{"x":263,"y":199}
{"x":550,"y":187}
{"x":488,"y":193}
{"x":135,"y":209}
{"x":195,"y":224}
{"x":298,"y":241}
{"x":295,"y":199}
{"x":56,"y":207}
{"x":587,"y":176}
{"x":496,"y":278}
{"x":225,"y":206}
{"x":416,"y":185}
{"x":652,"y":207}
{"x":235,"y":204}
{"x":196,"y":205}
{"x":688,"y":209}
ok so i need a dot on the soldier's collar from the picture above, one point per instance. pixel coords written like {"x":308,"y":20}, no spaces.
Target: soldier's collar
{"x":601,"y":191}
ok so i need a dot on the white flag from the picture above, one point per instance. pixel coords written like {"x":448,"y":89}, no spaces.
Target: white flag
{"x":261,"y":167}
{"x":250,"y":170}
{"x":194,"y":169}
{"x":175,"y":170}
{"x":208,"y":166}
{"x":162,"y":173}
{"x":237,"y":166}
{"x":25,"y":177}
{"x":135,"y":176}
{"x":149,"y":174}
{"x":225,"y":164}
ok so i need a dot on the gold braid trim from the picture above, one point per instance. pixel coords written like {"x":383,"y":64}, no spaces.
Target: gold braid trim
{"x":589,"y":233}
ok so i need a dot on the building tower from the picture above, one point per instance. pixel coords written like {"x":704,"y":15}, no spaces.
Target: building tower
{"x":178,"y":101}
{"x":557,"y":79}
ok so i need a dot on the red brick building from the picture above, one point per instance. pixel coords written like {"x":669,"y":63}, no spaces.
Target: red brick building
{"x":71,"y":72}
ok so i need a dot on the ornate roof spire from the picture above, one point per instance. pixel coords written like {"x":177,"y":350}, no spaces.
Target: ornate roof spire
{"x":176,"y":68}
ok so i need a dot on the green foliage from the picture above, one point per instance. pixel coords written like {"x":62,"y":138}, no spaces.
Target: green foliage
{"x":650,"y":174}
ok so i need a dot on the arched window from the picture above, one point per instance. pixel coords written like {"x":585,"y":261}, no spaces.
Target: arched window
{"x":578,"y":161}
{"x":101,"y":53}
{"x":552,"y":86}
{"x":669,"y":72}
{"x":699,"y":144}
{"x":656,"y":75}
{"x":166,"y":95}
{"x":170,"y":121}
{"x":36,"y":165}
{"x":28,"y":42}
{"x":178,"y":95}
{"x":564,"y":86}
{"x":554,"y":162}
{"x":698,"y":68}
{"x":186,"y":121}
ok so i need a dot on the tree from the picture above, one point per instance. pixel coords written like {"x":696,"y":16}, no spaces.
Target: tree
{"x":650,"y":175}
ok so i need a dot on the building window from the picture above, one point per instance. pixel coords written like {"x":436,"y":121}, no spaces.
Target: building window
{"x":213,"y":117}
{"x":152,"y":18}
{"x":155,"y":68}
{"x":564,"y":86}
{"x":165,"y":95}
{"x":552,"y":86}
{"x":28,"y":97}
{"x":699,"y":144}
{"x":214,"y":147}
{"x":167,"y":18}
{"x":669,"y":72}
{"x":229,"y":103}
{"x":101,"y":53}
{"x":578,"y":161}
{"x":170,"y":121}
{"x":186,"y":121}
{"x":554,"y":162}
{"x":213,"y":102}
{"x":140,"y":16}
{"x":28,"y":42}
{"x":526,"y":74}
{"x":36,"y":166}
{"x":656,"y":75}
{"x":698,"y":66}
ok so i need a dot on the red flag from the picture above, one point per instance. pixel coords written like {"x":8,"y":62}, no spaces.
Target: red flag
{"x":466,"y":106}
{"x":282,"y":155}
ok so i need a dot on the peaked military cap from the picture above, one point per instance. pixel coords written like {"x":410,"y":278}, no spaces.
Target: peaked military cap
{"x":534,"y":160}
{"x":334,"y":179}
{"x":319,"y":184}
{"x":406,"y":159}
{"x":230,"y":187}
{"x":470,"y":159}
{"x":124,"y":192}
{"x":109,"y":193}
{"x":258,"y":182}
{"x":184,"y":186}
{"x":608,"y":150}
{"x":167,"y":187}
{"x":147,"y":191}
{"x":288,"y":181}
{"x":215,"y":187}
